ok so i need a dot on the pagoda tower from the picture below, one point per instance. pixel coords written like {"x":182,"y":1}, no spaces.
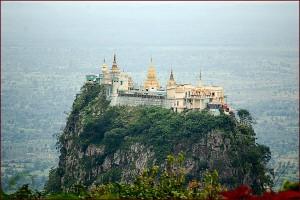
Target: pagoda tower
{"x":115,"y":69}
{"x":105,"y":72}
{"x":171,"y":86}
{"x":151,"y":82}
{"x":171,"y":81}
{"x":104,"y":66}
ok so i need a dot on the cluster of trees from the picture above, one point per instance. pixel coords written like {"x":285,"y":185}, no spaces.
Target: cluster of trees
{"x":160,"y":183}
{"x":166,"y":183}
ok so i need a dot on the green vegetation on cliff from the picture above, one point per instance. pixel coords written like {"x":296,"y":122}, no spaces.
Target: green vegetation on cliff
{"x":158,"y":183}
{"x":102,"y":144}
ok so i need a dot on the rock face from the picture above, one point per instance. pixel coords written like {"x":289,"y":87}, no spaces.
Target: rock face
{"x":103,"y":144}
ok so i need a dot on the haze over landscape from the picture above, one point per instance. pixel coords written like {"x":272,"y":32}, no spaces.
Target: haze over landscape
{"x":249,"y":48}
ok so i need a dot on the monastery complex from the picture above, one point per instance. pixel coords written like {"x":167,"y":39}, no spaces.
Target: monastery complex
{"x":120,"y":90}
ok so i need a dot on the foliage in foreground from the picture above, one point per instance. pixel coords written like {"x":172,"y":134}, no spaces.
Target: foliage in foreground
{"x":168,"y":183}
{"x":162,"y":183}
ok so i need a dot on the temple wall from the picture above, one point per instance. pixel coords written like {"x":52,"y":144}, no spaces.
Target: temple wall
{"x":135,"y":101}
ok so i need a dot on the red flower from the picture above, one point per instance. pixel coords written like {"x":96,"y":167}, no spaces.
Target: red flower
{"x":242,"y":192}
{"x":289,"y":195}
{"x":266,"y":196}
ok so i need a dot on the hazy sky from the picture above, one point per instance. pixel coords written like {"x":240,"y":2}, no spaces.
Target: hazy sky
{"x":264,"y":24}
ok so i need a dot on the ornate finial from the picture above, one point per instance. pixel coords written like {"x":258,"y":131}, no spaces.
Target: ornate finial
{"x":200,"y":75}
{"x":104,"y":60}
{"x":200,"y":79}
{"x":151,"y":61}
{"x":171,"y":75}
{"x":114,"y":57}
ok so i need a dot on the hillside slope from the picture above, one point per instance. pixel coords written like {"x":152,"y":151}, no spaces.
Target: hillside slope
{"x":103,"y":144}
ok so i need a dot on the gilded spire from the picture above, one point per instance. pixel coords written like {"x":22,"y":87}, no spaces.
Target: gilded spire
{"x":114,"y":67}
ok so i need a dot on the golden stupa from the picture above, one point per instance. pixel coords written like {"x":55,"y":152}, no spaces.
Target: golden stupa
{"x":151,"y":81}
{"x":115,"y":69}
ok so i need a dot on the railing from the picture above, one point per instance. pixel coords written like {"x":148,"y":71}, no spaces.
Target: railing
{"x":141,"y":95}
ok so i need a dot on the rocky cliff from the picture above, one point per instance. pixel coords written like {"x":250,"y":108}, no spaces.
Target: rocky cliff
{"x":103,"y":144}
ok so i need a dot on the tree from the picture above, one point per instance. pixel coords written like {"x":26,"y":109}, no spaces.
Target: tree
{"x":53,"y":184}
{"x":245,"y":117}
{"x":25,"y":193}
